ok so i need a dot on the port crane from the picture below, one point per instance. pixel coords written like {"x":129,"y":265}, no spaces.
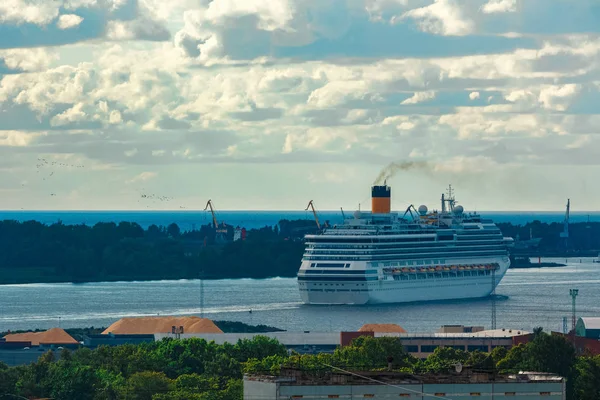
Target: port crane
{"x":312,"y":206}
{"x":212,"y":211}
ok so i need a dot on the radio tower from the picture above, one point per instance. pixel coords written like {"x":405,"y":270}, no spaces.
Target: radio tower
{"x":494,"y":298}
{"x":573,"y":293}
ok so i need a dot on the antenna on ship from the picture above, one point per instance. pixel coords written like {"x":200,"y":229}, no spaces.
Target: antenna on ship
{"x":451,"y":200}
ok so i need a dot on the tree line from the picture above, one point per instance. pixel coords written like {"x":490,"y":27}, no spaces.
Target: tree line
{"x":194,"y":369}
{"x":583,"y":236}
{"x":34,"y":252}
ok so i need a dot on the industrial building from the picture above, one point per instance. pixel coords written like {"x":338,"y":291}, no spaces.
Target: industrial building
{"x":458,"y":337}
{"x":152,"y":325}
{"x":25,"y":348}
{"x":588,"y":328}
{"x":418,"y":344}
{"x":461,"y":384}
{"x":54,"y":336}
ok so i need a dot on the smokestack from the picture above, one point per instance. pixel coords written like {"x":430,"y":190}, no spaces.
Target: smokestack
{"x":381,"y":197}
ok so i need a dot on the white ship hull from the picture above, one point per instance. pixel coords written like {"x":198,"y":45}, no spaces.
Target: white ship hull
{"x":387,"y":290}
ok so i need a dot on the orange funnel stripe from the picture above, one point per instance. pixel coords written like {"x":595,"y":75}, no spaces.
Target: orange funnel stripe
{"x":380,"y":205}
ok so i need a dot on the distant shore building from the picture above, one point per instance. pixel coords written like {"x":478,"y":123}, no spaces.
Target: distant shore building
{"x":382,"y":328}
{"x":588,"y":327}
{"x":154,"y":325}
{"x":459,"y":385}
{"x":54,"y":336}
{"x":26,"y":348}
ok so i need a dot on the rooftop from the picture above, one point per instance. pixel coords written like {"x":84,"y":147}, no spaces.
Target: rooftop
{"x":492,"y":333}
{"x":51,"y":336}
{"x":152,"y":325}
{"x":591,"y":322}
{"x":382,"y":328}
{"x":292,"y":377}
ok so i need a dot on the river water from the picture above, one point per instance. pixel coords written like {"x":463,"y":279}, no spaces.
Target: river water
{"x":527,"y":298}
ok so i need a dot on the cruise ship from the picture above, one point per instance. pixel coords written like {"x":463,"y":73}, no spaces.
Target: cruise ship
{"x":383,"y":257}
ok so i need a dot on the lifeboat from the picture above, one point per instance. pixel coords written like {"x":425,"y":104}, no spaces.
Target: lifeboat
{"x":446,"y":269}
{"x":405,"y":270}
{"x":431,"y":269}
{"x":453,"y":267}
{"x":461,"y":268}
{"x":412,"y":270}
{"x":438,"y":268}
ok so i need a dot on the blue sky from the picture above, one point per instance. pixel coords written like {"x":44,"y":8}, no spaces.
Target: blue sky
{"x":266,"y":104}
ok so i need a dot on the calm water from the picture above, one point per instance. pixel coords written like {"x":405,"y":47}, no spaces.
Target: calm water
{"x":528,"y":298}
{"x":187,"y":220}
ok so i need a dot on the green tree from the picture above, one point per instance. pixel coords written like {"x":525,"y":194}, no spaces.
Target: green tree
{"x":258,"y":347}
{"x":444,"y":359}
{"x":587,"y":378}
{"x":8,"y":379}
{"x":72,"y":382}
{"x":370,"y":352}
{"x":144,"y":385}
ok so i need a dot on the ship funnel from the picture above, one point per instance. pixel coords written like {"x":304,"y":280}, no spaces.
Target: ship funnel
{"x":381,"y":197}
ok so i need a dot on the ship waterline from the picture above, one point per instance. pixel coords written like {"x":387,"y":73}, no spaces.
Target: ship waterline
{"x":381,"y":257}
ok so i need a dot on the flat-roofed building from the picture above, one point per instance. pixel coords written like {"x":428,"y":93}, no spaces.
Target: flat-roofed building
{"x":423,"y":344}
{"x":467,"y":385}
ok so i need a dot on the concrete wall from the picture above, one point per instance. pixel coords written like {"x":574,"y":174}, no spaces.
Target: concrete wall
{"x":257,"y":390}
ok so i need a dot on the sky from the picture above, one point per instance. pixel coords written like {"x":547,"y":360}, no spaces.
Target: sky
{"x":267,"y":104}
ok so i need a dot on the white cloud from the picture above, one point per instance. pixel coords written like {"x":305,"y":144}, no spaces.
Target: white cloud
{"x":443,"y":17}
{"x":22,"y":11}
{"x":579,"y":142}
{"x":143,"y":177}
{"x":68,"y":21}
{"x":17,"y":138}
{"x":73,"y":114}
{"x":115,"y":117}
{"x":28,"y":60}
{"x":336,"y":93}
{"x":275,"y":84}
{"x":419,"y":97}
{"x":558,"y":97}
{"x":131,"y":153}
{"x":465,"y":165}
{"x":499,"y":6}
{"x":320,"y":139}
{"x":142,"y":28}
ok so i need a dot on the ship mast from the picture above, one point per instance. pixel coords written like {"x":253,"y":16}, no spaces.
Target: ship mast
{"x":450,"y":200}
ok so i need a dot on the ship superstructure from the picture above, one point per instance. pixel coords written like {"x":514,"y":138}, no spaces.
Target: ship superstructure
{"x":384,"y":257}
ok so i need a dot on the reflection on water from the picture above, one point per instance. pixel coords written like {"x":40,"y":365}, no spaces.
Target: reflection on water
{"x":526,"y":298}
